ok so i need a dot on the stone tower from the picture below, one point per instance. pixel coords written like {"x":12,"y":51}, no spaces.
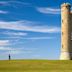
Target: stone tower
{"x":66,"y":49}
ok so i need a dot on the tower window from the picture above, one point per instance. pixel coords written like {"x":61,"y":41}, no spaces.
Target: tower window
{"x":66,"y":6}
{"x":62,"y":21}
{"x":71,"y":36}
{"x":62,"y":46}
{"x":62,"y":33}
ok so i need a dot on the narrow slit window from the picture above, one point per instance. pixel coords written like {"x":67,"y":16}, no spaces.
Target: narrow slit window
{"x":62,"y":21}
{"x":62,"y":33}
{"x":66,"y":6}
{"x":62,"y":46}
{"x":71,"y":36}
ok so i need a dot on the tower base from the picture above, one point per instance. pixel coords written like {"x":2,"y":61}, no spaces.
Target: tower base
{"x":65,"y":56}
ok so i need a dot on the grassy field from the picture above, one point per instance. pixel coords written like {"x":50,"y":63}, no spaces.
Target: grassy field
{"x":35,"y":66}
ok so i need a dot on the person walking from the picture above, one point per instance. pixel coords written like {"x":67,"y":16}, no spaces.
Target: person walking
{"x":9,"y":57}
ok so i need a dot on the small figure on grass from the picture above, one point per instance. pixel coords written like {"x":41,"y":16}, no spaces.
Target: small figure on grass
{"x":9,"y":57}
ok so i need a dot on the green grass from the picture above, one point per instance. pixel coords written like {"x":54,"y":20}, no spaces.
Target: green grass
{"x":35,"y":66}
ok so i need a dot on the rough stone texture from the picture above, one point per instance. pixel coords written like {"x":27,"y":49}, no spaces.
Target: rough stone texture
{"x":66,"y":20}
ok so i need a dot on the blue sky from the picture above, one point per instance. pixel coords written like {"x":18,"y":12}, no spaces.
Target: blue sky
{"x":30,"y":29}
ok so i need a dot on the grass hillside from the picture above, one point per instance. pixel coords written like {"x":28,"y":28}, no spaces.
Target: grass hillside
{"x":35,"y":66}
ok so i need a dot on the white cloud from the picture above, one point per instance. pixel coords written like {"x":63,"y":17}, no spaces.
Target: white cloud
{"x":9,"y":50}
{"x":18,"y":33}
{"x":14,"y":52}
{"x":5,"y":48}
{"x":3,"y":2}
{"x":48,"y":10}
{"x":19,"y":2}
{"x":4,"y":42}
{"x":18,"y":52}
{"x":26,"y":26}
{"x":3,"y":12}
{"x":14,"y":33}
{"x":38,"y":38}
{"x":14,"y":3}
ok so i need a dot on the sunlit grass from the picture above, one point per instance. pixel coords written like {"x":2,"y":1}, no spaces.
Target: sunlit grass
{"x":35,"y":66}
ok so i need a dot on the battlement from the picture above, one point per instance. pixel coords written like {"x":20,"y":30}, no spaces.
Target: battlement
{"x":65,"y":5}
